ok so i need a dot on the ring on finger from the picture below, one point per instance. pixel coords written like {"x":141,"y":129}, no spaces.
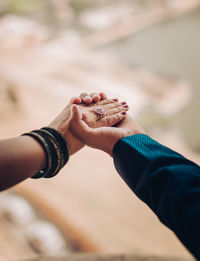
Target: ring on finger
{"x":101,"y":112}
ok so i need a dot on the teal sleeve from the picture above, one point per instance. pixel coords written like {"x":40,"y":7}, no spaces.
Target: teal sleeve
{"x":166,"y":181}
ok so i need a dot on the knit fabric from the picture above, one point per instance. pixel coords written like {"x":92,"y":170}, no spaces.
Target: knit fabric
{"x":166,"y":181}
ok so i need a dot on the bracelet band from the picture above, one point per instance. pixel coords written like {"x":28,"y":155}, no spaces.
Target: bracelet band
{"x":45,"y":146}
{"x":62,"y":141}
{"x":53,"y":153}
{"x":56,"y":150}
{"x":59,"y":159}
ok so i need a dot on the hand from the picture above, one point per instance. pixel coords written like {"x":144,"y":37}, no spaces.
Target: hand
{"x":103,"y":138}
{"x":87,"y":107}
{"x":111,"y":107}
{"x":85,"y":98}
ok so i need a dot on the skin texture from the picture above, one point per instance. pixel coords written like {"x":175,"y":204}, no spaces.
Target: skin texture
{"x":112,"y":107}
{"x":88,"y":99}
{"x":94,"y":121}
{"x":103,"y":138}
{"x":22,"y":157}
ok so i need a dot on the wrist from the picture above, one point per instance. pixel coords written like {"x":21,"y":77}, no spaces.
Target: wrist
{"x":115,"y":140}
{"x":110,"y":145}
{"x":55,"y":148}
{"x":74,"y":144}
{"x":34,"y":148}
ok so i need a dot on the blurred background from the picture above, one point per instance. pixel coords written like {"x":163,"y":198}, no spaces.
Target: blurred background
{"x":145,"y":52}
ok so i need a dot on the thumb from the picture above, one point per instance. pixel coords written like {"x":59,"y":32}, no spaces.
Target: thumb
{"x":79,"y":127}
{"x":76,"y":113}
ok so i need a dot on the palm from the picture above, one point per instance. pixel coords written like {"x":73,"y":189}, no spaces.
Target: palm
{"x":105,"y":138}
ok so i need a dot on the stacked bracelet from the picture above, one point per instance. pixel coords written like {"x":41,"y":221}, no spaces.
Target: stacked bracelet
{"x":56,"y":150}
{"x":61,"y":139}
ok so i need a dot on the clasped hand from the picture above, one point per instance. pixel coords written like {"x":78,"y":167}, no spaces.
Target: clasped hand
{"x":95,"y":121}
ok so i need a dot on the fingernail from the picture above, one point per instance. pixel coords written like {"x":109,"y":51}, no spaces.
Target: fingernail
{"x":123,"y":113}
{"x":87,"y":97}
{"x":123,"y":103}
{"x":97,"y":97}
{"x":125,"y":106}
{"x":115,"y":100}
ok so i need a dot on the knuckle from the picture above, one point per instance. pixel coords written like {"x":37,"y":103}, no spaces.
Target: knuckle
{"x":109,"y":121}
{"x":117,"y":119}
{"x":106,"y":101}
{"x":118,"y":109}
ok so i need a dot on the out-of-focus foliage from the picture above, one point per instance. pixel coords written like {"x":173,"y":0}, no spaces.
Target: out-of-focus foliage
{"x":80,"y":5}
{"x":21,"y":6}
{"x":24,"y":6}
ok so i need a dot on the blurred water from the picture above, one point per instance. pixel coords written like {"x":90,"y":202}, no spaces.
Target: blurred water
{"x":172,"y":48}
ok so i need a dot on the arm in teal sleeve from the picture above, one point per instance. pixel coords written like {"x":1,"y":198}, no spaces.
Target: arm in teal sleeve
{"x":166,"y":181}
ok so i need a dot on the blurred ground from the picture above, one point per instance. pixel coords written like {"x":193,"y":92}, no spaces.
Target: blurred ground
{"x":88,"y":201}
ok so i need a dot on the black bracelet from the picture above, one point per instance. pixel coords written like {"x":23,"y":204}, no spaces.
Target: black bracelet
{"x":60,"y":158}
{"x":56,"y":150}
{"x":62,"y":142}
{"x":53,"y":153}
{"x":46,"y":148}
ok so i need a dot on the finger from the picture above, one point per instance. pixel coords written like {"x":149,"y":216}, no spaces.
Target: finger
{"x":95,"y":97}
{"x":117,"y":110}
{"x":78,"y":126}
{"x":103,"y":95}
{"x":106,"y":101}
{"x":84,"y":94}
{"x":86,"y":98}
{"x":113,"y":119}
{"x":112,"y":105}
{"x":76,"y":114}
{"x":75,"y":100}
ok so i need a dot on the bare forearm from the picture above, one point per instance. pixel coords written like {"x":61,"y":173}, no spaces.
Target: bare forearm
{"x":20,"y":158}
